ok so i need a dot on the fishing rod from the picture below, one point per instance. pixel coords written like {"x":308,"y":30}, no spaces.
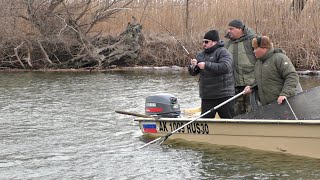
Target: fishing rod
{"x":294,"y":114}
{"x":192,"y":56}
{"x":184,"y":48}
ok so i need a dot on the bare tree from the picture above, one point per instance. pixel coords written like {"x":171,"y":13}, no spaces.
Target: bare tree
{"x":63,"y":26}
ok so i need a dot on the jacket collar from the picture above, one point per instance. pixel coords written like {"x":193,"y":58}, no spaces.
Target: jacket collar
{"x":248,"y":33}
{"x":213,"y":48}
{"x":267,"y":55}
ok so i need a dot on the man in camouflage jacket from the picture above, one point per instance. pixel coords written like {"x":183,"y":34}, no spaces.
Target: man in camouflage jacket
{"x":239,"y":45}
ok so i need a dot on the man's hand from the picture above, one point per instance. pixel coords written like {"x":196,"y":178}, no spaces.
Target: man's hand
{"x":193,"y":62}
{"x":280,"y":99}
{"x":247,"y":90}
{"x":201,"y":65}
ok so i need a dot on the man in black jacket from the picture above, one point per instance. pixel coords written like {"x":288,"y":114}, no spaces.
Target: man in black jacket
{"x":216,"y":82}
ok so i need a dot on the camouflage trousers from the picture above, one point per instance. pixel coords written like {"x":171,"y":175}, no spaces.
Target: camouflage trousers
{"x":242,"y":103}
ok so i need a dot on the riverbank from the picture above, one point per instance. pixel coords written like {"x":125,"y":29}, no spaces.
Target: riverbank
{"x":135,"y":68}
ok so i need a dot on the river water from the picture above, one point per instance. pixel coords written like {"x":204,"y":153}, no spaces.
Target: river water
{"x":64,"y":126}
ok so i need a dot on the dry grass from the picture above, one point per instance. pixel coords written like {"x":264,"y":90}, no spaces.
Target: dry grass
{"x":299,"y":37}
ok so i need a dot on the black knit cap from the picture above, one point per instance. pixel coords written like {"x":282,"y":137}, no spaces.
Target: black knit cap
{"x":212,"y":35}
{"x":237,"y":24}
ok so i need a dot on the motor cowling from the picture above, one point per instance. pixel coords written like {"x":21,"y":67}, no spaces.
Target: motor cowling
{"x":163,"y":105}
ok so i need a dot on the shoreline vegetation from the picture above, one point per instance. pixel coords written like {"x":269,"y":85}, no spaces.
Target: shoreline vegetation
{"x":117,"y":35}
{"x":161,"y":69}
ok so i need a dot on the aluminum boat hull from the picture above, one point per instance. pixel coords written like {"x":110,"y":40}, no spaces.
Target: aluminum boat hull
{"x":297,"y":137}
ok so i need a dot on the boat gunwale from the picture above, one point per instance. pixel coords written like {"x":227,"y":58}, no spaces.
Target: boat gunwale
{"x":241,"y":121}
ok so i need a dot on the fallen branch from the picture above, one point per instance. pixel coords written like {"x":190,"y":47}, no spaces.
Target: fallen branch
{"x":17,"y":54}
{"x":44,"y":53}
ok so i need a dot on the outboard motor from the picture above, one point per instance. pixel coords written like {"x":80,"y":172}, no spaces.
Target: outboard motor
{"x":163,"y":105}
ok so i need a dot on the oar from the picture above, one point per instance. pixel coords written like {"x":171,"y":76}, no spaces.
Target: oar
{"x":133,"y":114}
{"x":170,"y":133}
{"x":291,"y":109}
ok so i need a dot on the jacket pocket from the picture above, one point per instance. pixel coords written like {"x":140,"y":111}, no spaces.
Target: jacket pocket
{"x":247,"y":69}
{"x":248,"y":74}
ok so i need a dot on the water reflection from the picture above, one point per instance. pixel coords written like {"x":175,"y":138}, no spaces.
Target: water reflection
{"x":220,"y":162}
{"x":308,"y":82}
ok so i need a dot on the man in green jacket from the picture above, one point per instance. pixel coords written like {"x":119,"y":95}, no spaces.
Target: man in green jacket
{"x":275,"y":75}
{"x":239,"y":45}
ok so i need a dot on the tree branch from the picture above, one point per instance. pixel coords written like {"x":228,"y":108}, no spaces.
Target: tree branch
{"x":17,"y":54}
{"x":44,"y":53}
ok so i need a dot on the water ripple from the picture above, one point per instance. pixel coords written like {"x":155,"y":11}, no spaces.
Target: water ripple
{"x":64,"y":126}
